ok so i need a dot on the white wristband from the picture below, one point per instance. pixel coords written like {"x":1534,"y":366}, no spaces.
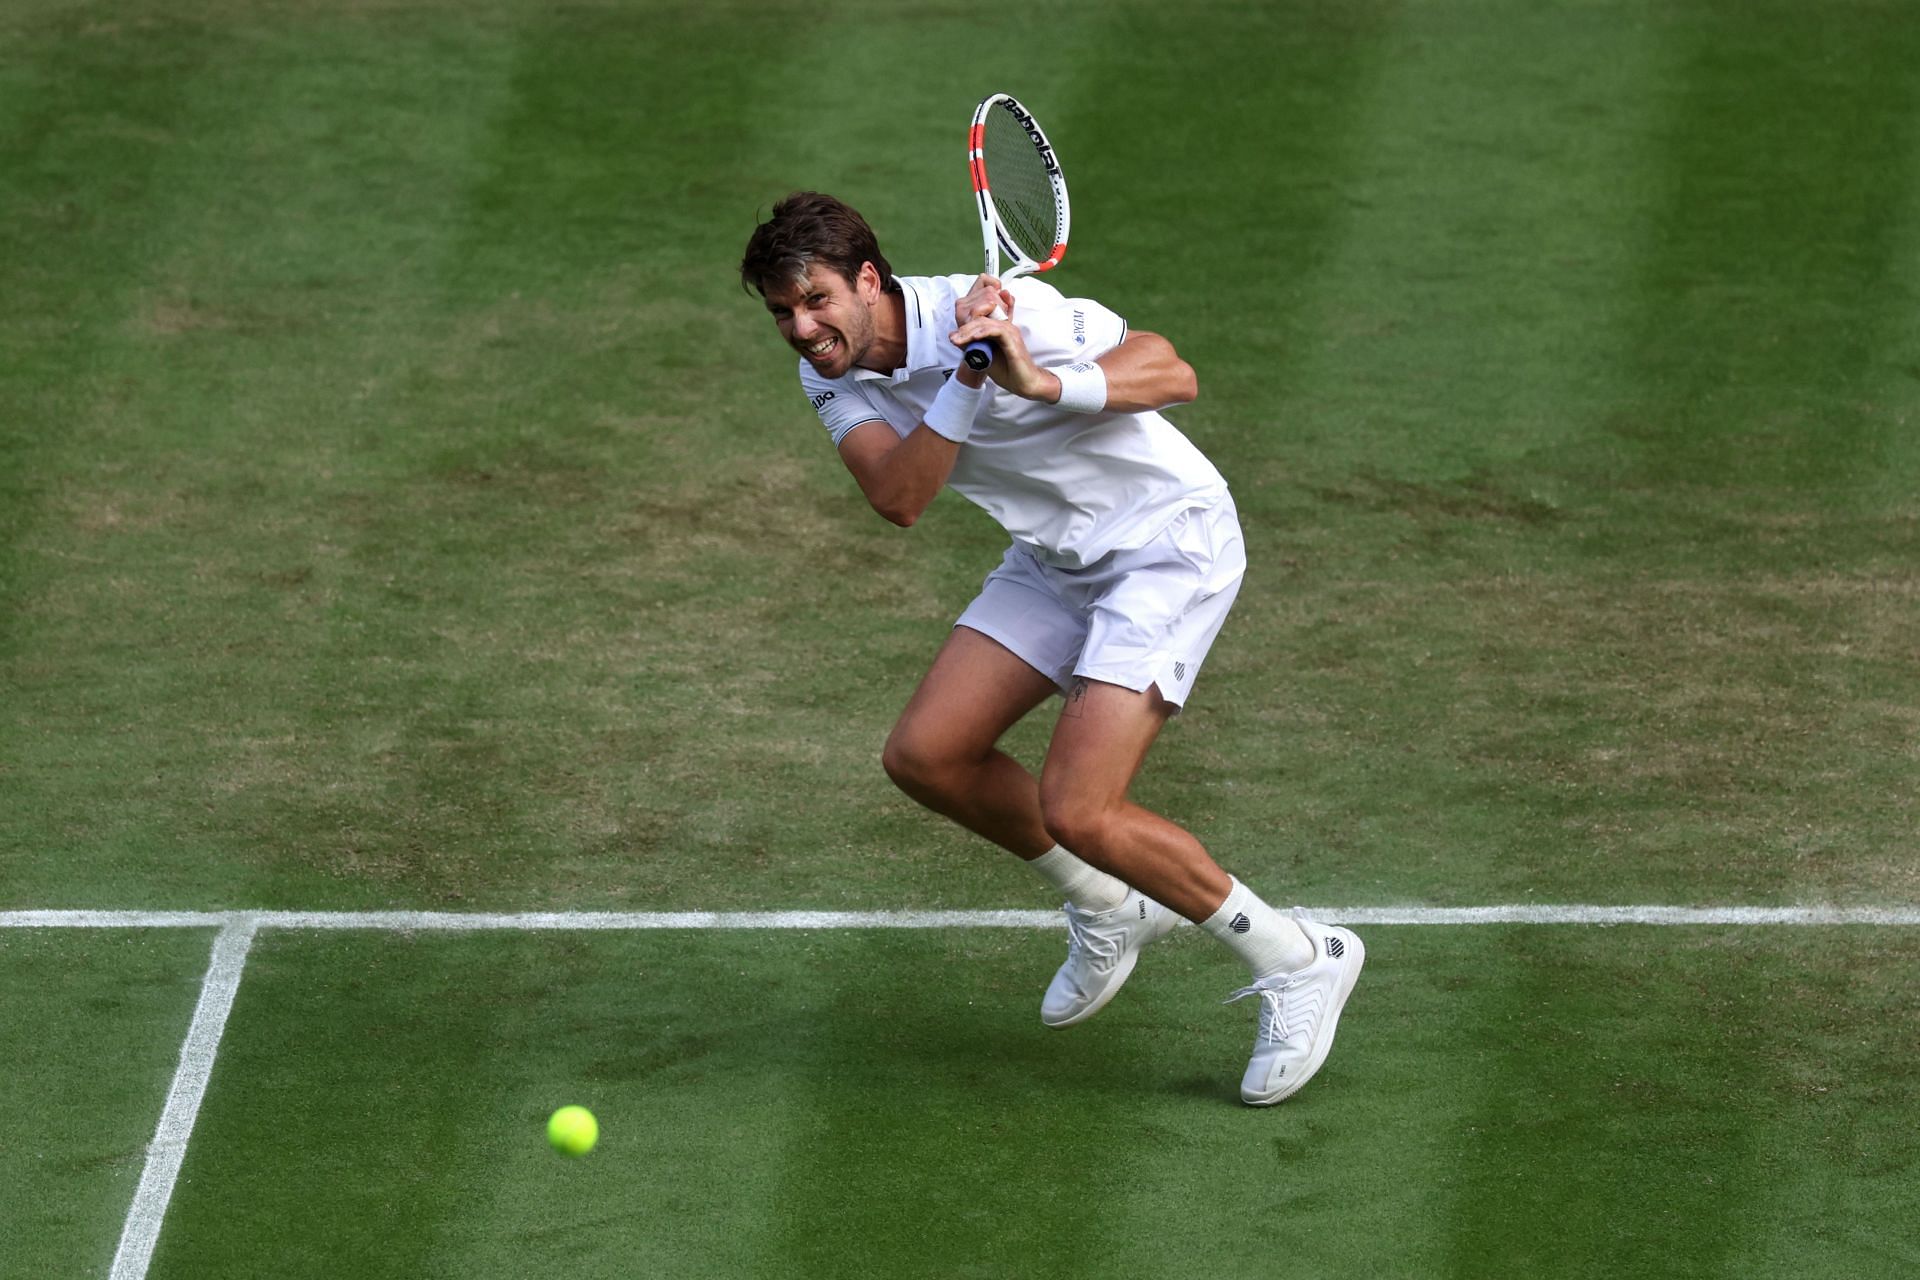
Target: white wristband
{"x":951,"y":413}
{"x":1083,"y":387}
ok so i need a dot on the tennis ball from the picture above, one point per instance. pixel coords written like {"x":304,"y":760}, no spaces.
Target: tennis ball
{"x":573,"y":1131}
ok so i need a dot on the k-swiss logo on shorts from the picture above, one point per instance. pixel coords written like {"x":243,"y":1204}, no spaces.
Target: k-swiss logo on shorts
{"x":1240,"y":923}
{"x":1179,"y":671}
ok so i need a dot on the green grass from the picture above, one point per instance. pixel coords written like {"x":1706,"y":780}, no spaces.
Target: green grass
{"x":402,"y":506}
{"x":405,"y":507}
{"x":1545,"y":1101}
{"x":93,"y":1026}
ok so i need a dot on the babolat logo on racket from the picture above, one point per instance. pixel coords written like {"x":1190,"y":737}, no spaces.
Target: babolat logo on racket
{"x":1040,"y":142}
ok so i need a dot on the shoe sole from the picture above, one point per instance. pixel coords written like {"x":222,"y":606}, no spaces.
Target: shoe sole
{"x":1357,"y":955}
{"x":1120,"y":979}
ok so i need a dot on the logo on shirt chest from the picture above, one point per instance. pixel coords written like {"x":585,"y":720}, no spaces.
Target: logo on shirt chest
{"x":1079,"y":328}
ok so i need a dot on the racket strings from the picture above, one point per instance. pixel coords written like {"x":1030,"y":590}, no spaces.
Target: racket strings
{"x":1018,"y":181}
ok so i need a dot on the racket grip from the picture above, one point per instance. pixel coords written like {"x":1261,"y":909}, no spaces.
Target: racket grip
{"x":980,"y":354}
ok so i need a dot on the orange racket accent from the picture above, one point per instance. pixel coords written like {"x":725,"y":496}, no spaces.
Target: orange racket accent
{"x":1059,"y":252}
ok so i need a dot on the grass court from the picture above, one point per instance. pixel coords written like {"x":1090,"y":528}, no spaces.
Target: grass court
{"x":402,"y":510}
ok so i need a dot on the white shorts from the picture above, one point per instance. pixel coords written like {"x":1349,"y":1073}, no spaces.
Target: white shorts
{"x":1133,"y":618}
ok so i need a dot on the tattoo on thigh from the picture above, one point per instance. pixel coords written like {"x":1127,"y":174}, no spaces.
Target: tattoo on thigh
{"x":1076,"y":697}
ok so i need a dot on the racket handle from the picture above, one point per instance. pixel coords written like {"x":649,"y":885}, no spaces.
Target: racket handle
{"x":980,"y":354}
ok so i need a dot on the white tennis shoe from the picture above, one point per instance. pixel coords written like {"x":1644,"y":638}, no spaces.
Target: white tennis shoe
{"x":1298,"y":1013}
{"x":1102,"y":948}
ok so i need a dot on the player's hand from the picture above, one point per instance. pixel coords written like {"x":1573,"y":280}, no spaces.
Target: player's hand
{"x":983,"y":299}
{"x":1013,"y":368}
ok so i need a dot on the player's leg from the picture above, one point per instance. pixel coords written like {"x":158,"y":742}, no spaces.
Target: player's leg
{"x":1152,"y":614}
{"x":943,"y":750}
{"x":943,"y":753}
{"x":1152,"y":622}
{"x":1010,"y":650}
{"x":1098,"y":746}
{"x":1302,"y":970}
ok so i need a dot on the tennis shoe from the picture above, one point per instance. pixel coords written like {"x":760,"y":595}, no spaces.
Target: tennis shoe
{"x":1298,"y":1013}
{"x":1102,"y":948}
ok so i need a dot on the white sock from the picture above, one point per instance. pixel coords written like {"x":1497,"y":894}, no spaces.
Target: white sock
{"x":1269,"y":942}
{"x":1087,"y":888}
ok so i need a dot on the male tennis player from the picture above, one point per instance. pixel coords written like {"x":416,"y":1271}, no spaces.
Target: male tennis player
{"x":1126,"y":556}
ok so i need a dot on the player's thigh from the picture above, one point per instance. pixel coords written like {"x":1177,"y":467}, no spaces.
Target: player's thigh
{"x":975,"y":691}
{"x":1099,"y":744}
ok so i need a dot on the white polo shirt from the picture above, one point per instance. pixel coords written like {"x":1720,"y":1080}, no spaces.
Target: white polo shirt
{"x":1071,"y":487}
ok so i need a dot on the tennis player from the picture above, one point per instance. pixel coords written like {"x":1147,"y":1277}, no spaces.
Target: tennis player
{"x":1126,"y":555}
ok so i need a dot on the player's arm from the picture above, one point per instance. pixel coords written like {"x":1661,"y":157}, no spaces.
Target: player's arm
{"x":1142,"y":373}
{"x":901,"y":476}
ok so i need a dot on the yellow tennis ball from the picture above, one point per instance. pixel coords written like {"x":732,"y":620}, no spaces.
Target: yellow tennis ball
{"x":573,"y":1131}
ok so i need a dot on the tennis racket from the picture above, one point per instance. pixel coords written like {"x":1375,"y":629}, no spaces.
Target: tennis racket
{"x":1022,"y":196}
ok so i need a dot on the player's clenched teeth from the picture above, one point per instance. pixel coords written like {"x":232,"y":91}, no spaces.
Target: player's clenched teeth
{"x":817,"y":350}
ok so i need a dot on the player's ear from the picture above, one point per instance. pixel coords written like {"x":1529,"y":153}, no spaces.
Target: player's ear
{"x":869,"y":285}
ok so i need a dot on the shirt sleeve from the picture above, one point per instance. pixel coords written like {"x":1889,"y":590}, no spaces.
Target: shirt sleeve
{"x":841,"y":406}
{"x":1061,"y":330}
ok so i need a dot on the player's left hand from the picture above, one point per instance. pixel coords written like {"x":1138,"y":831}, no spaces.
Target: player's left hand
{"x":1013,"y":368}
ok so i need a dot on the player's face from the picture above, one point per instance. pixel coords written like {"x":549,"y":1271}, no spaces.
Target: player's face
{"x":828,"y":319}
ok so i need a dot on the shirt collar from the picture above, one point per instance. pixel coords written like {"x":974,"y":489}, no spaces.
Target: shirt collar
{"x":927,"y":345}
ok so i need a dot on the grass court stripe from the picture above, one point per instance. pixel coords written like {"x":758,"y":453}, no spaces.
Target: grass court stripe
{"x":169,"y":1146}
{"x":625,"y":921}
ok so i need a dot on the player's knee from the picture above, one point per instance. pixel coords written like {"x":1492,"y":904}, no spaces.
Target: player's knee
{"x":1077,"y":823}
{"x":914,"y":768}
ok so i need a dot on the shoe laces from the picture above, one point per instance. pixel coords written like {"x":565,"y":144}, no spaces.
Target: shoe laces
{"x":1083,"y":938}
{"x":1273,"y":993}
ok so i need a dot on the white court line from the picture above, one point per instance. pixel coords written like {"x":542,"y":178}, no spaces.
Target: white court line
{"x":464,"y":922}
{"x":169,"y":1146}
{"x":114,"y":919}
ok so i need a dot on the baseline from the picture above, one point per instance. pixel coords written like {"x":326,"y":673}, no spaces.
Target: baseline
{"x":454,"y":921}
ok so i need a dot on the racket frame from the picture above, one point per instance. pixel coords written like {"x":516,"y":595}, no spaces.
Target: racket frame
{"x":995,"y":239}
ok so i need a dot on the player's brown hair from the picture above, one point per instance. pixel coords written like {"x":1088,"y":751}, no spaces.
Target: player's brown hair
{"x":805,"y":228}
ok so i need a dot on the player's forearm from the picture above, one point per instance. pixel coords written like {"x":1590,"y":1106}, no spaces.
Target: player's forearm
{"x":911,"y":476}
{"x":1146,"y":373}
